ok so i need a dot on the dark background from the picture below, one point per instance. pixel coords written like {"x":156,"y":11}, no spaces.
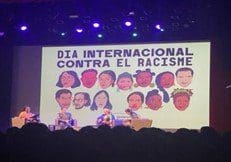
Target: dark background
{"x":26,"y":78}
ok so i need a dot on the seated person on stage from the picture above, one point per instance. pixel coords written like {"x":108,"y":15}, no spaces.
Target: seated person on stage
{"x":107,"y":118}
{"x":132,"y":114}
{"x":26,"y":114}
{"x":64,"y":119}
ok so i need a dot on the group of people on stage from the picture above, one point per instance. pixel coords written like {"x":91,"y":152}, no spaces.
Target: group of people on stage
{"x":64,"y":118}
{"x":107,"y":118}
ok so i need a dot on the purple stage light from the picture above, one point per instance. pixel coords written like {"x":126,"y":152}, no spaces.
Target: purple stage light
{"x":131,"y":13}
{"x":96,"y":25}
{"x":63,"y":34}
{"x":161,"y":29}
{"x":23,"y":28}
{"x":134,"y":34}
{"x":79,"y":30}
{"x":1,"y":33}
{"x":158,"y":27}
{"x":99,"y":35}
{"x":128,"y":23}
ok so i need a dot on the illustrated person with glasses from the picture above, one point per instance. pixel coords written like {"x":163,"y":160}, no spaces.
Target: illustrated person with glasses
{"x":81,"y":99}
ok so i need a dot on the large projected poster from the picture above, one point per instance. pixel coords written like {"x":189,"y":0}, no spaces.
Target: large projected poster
{"x":167,"y":83}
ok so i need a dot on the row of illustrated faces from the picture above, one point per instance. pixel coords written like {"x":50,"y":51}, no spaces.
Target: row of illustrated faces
{"x":124,"y":81}
{"x":135,"y":100}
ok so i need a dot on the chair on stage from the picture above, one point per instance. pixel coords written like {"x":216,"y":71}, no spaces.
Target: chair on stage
{"x":137,"y":124}
{"x":17,"y":122}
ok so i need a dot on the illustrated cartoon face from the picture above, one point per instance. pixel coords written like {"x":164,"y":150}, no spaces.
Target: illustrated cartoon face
{"x":64,"y":100}
{"x":184,"y":78}
{"x":79,"y":101}
{"x":101,"y":100}
{"x":105,"y":81}
{"x":88,"y":79}
{"x":135,"y":102}
{"x":144,"y":78}
{"x":167,"y":80}
{"x":181,"y":102}
{"x":154,"y":102}
{"x":67,"y":80}
{"x":124,"y":83}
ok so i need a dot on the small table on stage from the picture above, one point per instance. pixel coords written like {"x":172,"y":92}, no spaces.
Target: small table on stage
{"x":137,"y":124}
